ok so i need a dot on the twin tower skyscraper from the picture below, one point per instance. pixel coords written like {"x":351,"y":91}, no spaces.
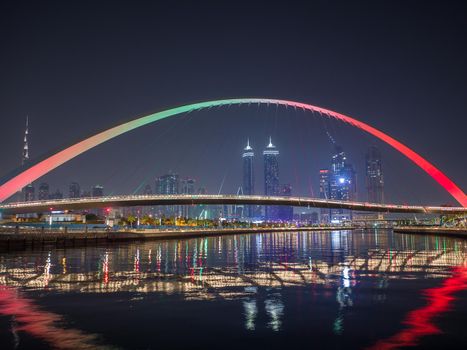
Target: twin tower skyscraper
{"x":271,"y":178}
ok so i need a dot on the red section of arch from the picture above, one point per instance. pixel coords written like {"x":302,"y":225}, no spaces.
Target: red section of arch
{"x":434,"y":172}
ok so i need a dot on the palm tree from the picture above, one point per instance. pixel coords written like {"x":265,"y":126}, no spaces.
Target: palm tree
{"x":147,"y":220}
{"x":131,"y":219}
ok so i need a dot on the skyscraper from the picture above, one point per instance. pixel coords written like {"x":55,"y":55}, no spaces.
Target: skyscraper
{"x":342,"y":184}
{"x":248,"y":177}
{"x":74,"y":191}
{"x":271,"y":178}
{"x":374,"y":176}
{"x":43,"y":191}
{"x":168,"y":184}
{"x":25,"y":157}
{"x":98,"y":191}
{"x":188,"y":187}
{"x":285,"y":212}
{"x":324,"y":193}
{"x":338,"y":159}
{"x":28,"y":192}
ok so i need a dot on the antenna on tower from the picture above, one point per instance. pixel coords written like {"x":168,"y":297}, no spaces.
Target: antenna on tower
{"x":248,"y":147}
{"x":270,"y":142}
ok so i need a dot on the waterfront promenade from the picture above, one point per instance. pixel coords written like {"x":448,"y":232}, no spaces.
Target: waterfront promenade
{"x":433,"y":230}
{"x":23,"y":238}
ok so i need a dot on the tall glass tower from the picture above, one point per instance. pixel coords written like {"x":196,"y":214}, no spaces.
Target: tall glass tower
{"x":74,"y":190}
{"x":285,"y":212}
{"x":97,"y":191}
{"x":188,"y":187}
{"x":324,"y":193}
{"x":248,"y":176}
{"x":28,"y":191}
{"x":271,"y":178}
{"x":43,"y":191}
{"x":374,"y":176}
{"x":168,"y":184}
{"x":342,"y":184}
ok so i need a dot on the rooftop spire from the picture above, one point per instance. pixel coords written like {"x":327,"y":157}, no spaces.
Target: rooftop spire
{"x":248,"y":147}
{"x":270,"y":143}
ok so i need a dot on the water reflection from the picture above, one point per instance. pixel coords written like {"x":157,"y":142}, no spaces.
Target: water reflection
{"x":27,"y":317}
{"x":250,"y":309}
{"x":419,"y":322}
{"x":275,"y":311}
{"x":343,"y":298}
{"x":255,"y":270}
{"x":280,"y":260}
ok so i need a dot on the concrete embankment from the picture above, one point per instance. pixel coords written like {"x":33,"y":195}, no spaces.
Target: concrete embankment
{"x":18,"y":241}
{"x":441,"y":231}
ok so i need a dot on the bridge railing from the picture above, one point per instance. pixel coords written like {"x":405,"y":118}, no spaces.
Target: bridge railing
{"x":302,"y":201}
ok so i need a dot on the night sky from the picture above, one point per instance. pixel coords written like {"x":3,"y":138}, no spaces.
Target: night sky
{"x":78,"y":67}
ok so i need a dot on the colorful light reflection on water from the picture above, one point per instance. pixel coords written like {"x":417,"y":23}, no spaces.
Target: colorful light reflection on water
{"x":352,"y":289}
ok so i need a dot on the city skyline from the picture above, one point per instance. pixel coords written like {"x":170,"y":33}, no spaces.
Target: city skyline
{"x":247,"y":185}
{"x":337,"y":182}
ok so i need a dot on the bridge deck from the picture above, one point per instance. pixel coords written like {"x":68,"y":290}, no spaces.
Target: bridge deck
{"x":155,"y":200}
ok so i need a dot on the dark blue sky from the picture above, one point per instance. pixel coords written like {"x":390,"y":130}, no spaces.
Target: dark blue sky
{"x":77,"y":68}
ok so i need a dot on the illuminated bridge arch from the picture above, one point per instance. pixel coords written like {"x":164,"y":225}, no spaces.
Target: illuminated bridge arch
{"x":41,"y":168}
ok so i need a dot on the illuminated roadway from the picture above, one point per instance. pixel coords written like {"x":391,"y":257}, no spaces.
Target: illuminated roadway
{"x":180,"y":199}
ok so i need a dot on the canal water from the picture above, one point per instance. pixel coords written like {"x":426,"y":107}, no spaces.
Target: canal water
{"x":363,"y":289}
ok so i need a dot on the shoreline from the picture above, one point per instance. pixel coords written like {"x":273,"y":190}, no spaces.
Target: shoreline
{"x":21,"y":241}
{"x":441,"y":231}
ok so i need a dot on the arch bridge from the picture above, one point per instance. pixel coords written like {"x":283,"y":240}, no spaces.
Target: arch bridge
{"x":23,"y":177}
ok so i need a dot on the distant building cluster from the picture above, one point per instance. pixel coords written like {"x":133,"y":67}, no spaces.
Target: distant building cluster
{"x":74,"y":191}
{"x":339,"y":182}
{"x":374,"y":176}
{"x":170,"y":184}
